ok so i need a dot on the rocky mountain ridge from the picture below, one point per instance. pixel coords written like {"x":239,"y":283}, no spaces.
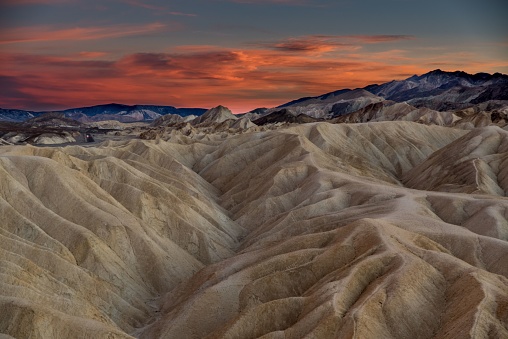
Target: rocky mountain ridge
{"x":118,"y":112}
{"x":436,"y":90}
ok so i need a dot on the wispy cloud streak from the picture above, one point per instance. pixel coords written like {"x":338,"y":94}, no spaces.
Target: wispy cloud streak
{"x":318,"y":44}
{"x":157,"y":8}
{"x":49,"y":33}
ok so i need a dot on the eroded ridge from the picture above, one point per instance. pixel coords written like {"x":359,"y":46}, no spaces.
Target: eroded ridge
{"x":300,"y":232}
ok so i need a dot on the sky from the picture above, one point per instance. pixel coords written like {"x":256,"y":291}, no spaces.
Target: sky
{"x":243,"y":54}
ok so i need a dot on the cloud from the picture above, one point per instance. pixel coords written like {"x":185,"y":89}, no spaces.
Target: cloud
{"x":91,"y":55}
{"x":157,"y":8}
{"x":319,"y":44}
{"x":372,"y":39}
{"x":314,"y":44}
{"x":11,"y":91}
{"x":205,"y":76}
{"x":50,"y":33}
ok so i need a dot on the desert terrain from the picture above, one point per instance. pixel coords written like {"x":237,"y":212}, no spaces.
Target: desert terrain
{"x":318,"y":230}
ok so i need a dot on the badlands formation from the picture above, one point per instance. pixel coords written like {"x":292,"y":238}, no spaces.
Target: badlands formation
{"x":319,"y":230}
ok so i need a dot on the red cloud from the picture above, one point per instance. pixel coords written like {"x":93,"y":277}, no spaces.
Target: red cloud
{"x":91,"y":55}
{"x":47,"y":33}
{"x":204,"y":76}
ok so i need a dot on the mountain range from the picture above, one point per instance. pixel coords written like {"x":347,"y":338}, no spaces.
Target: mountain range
{"x":119,"y":112}
{"x":436,"y":90}
{"x":436,"y":96}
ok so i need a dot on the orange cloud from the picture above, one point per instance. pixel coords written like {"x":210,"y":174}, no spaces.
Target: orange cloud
{"x":91,"y":55}
{"x":205,"y":76}
{"x":48,"y":33}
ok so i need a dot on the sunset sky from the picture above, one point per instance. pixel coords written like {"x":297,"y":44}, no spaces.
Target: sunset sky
{"x":57,"y":54}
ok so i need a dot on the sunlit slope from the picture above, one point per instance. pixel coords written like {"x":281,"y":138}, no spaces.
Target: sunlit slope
{"x":97,"y":233}
{"x":475,"y":163}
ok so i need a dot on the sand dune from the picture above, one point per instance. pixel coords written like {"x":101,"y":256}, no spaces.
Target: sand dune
{"x":378,"y":230}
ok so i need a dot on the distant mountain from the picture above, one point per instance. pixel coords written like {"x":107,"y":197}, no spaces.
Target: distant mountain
{"x":119,"y":112}
{"x":214,"y":115}
{"x":331,"y":104}
{"x":127,"y":113}
{"x":438,"y":91}
{"x":284,"y":115}
{"x":320,"y":98}
{"x":427,"y":95}
{"x":52,"y":119}
{"x":442,"y":90}
{"x":255,"y":113}
{"x":16,"y":115}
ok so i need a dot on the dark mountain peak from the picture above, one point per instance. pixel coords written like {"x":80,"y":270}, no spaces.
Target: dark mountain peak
{"x":259,"y":110}
{"x":221,"y":108}
{"x":481,"y":76}
{"x":292,"y":102}
{"x":333,"y":94}
{"x":323,"y":97}
{"x":435,"y":72}
{"x":284,"y":116}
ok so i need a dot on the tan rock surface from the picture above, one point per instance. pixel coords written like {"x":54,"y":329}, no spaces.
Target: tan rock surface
{"x":299,"y":232}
